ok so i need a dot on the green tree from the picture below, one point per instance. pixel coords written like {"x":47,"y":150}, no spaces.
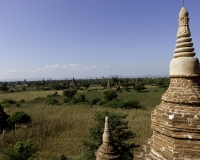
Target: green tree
{"x":4,"y":87}
{"x":122,"y":136}
{"x":95,"y":100}
{"x":86,"y":85}
{"x":104,"y":83}
{"x":167,"y":82}
{"x":52,"y":101}
{"x":81,"y":98}
{"x":63,"y":157}
{"x":139,"y":87}
{"x":69,"y":93}
{"x":110,"y":95}
{"x":57,"y":86}
{"x":18,"y":118}
{"x":114,"y":80}
{"x":20,"y":151}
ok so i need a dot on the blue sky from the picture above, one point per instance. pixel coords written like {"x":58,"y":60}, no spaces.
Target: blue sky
{"x":90,"y":38}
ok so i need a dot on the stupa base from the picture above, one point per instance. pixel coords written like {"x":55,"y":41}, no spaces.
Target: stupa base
{"x":148,"y":153}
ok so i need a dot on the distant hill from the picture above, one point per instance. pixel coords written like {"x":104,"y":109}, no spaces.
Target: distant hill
{"x":110,"y":76}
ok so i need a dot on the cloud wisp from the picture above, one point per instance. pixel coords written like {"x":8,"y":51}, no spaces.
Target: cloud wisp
{"x":55,"y":67}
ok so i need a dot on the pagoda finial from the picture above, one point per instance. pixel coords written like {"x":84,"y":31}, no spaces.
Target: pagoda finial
{"x":184,"y":45}
{"x":107,"y":150}
{"x":107,"y":137}
{"x":184,"y":62}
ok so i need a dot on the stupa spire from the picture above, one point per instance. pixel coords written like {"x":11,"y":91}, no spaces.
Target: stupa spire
{"x":107,"y":137}
{"x":175,"y":121}
{"x":107,"y":150}
{"x":184,"y":45}
{"x":184,"y":62}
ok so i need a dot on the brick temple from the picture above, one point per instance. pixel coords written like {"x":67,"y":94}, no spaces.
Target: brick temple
{"x":176,"y":121}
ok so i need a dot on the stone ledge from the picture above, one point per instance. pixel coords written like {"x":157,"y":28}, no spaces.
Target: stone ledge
{"x":184,"y":76}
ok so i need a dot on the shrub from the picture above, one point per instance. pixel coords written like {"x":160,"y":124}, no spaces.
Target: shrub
{"x":63,"y":157}
{"x":95,"y":101}
{"x":52,"y":101}
{"x":57,"y":86}
{"x":122,"y":136}
{"x":101,"y":103}
{"x":123,"y":104}
{"x":8,"y":101}
{"x":39,"y":98}
{"x":17,"y":105}
{"x":120,"y":91}
{"x":81,"y":98}
{"x":104,"y":83}
{"x":4,"y":88}
{"x":69,"y":93}
{"x":45,"y":88}
{"x":22,"y":101}
{"x":66,"y":100}
{"x":110,"y":95}
{"x":20,"y":151}
{"x":53,"y":95}
{"x":126,"y":89}
{"x":74,"y":101}
{"x":139,"y":87}
{"x":86,"y":85}
{"x":18,"y":118}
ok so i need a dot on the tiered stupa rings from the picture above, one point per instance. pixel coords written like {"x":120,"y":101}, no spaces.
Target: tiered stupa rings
{"x":184,"y":62}
{"x":184,"y":44}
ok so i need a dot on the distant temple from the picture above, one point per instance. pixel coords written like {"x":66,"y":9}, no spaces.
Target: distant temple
{"x":116,"y":87}
{"x":97,"y":80}
{"x":73,"y":83}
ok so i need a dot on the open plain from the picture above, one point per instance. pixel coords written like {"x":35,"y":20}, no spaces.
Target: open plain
{"x":59,"y":129}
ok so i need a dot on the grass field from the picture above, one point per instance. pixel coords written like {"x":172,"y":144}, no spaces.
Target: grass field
{"x":59,"y":129}
{"x":26,"y":95}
